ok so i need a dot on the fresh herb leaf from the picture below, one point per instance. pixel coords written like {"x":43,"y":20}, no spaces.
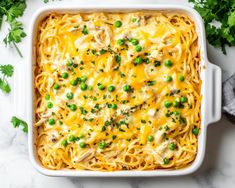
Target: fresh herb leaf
{"x":13,"y":9}
{"x":16,"y":122}
{"x":221,"y":12}
{"x":4,"y":86}
{"x":7,"y":70}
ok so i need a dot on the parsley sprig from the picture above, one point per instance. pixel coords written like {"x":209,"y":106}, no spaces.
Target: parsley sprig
{"x":16,"y":122}
{"x":5,"y":71}
{"x":13,"y":9}
{"x":222,"y":12}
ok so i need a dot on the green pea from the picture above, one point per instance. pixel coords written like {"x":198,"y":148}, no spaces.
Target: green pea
{"x":74,"y":82}
{"x":49,"y":105}
{"x":181,"y":78}
{"x":176,"y":113}
{"x":83,"y":86}
{"x":72,"y":138}
{"x":69,"y":63}
{"x":118,"y":24}
{"x":51,"y":121}
{"x":150,"y":138}
{"x":121,"y":42}
{"x":83,"y":78}
{"x":169,"y":78}
{"x":47,"y":97}
{"x":127,"y":88}
{"x":183,"y":99}
{"x":73,"y":107}
{"x":134,"y":42}
{"x":82,"y":144}
{"x":89,"y":88}
{"x":175,"y":103}
{"x":114,"y":106}
{"x":167,"y":104}
{"x":172,"y":146}
{"x":64,"y":143}
{"x":65,"y":75}
{"x":133,"y":20}
{"x":138,"y":48}
{"x":168,"y":63}
{"x":111,"y":88}
{"x":166,"y":160}
{"x":102,"y":145}
{"x":81,"y":135}
{"x":195,"y":131}
{"x":138,"y":60}
{"x":69,"y":95}
{"x":56,"y":86}
{"x":101,"y":86}
{"x":75,"y":65}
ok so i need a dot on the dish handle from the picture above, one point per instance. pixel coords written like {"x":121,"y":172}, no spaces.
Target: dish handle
{"x":19,"y":91}
{"x":213,"y":85}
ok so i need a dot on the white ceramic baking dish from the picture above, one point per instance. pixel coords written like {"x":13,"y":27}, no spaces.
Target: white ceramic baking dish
{"x":211,"y":89}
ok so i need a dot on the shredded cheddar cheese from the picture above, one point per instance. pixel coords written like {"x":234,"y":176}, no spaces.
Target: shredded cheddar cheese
{"x":117,"y":91}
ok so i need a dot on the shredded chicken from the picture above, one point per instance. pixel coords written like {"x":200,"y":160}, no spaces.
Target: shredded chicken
{"x":87,"y":155}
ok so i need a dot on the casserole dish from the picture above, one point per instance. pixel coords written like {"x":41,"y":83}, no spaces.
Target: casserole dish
{"x":210,"y":90}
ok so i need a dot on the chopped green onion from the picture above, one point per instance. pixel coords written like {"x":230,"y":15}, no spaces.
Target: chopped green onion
{"x":118,"y":59}
{"x":157,"y":63}
{"x":102,"y":51}
{"x":85,"y":30}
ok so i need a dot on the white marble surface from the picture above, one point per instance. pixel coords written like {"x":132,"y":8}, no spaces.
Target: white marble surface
{"x":16,"y":171}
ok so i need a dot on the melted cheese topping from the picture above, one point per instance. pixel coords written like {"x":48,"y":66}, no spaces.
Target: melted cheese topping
{"x":117,"y":91}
